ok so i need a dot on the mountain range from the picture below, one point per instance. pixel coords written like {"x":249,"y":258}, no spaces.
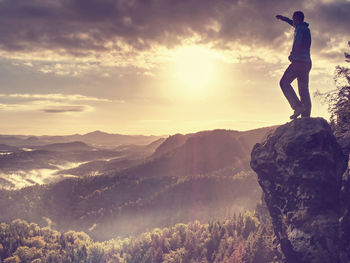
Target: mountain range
{"x":131,"y":188}
{"x":96,"y":138}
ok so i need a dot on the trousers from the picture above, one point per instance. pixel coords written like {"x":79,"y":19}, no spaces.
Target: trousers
{"x":297,"y":70}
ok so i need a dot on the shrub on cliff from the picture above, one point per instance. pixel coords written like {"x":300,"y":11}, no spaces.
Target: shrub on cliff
{"x":338,"y":100}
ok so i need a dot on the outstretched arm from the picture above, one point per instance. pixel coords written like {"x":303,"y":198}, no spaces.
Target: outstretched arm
{"x":285,"y":19}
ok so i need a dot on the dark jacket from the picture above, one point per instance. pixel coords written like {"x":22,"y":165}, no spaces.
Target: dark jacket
{"x":301,"y":43}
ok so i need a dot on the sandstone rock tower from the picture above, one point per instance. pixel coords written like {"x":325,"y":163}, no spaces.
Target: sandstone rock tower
{"x":300,"y":169}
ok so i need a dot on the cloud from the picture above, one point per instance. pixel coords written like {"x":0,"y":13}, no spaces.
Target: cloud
{"x":44,"y":106}
{"x":55,"y":97}
{"x":10,"y":107}
{"x":81,"y":27}
{"x":64,"y":109}
{"x":49,"y":103}
{"x":131,"y":32}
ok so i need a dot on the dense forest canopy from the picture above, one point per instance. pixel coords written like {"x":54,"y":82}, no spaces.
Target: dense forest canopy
{"x":244,"y":238}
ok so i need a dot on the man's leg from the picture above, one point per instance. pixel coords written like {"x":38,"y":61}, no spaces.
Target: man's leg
{"x":289,"y":75}
{"x":303,"y":87}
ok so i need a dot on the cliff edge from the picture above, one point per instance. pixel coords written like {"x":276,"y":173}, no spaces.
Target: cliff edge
{"x":301,"y":170}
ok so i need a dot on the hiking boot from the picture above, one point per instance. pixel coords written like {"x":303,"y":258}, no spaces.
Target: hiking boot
{"x":305,"y":114}
{"x":297,"y":112}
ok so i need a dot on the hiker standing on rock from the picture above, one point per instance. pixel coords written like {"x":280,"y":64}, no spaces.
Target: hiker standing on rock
{"x":299,"y":68}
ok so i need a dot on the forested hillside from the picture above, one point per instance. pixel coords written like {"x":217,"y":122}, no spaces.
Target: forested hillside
{"x":110,"y":206}
{"x":245,"y":238}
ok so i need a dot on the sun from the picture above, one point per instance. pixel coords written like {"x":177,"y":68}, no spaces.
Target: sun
{"x":194,"y":68}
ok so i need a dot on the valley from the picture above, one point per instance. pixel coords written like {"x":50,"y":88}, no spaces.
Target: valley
{"x":129,"y":189}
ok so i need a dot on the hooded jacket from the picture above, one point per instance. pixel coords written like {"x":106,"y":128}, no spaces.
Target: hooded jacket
{"x":301,"y":43}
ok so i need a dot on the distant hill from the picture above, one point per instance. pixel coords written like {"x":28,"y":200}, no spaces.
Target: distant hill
{"x":103,"y":139}
{"x":63,"y":147}
{"x":131,"y":155}
{"x":6,"y":148}
{"x":202,"y":152}
{"x":49,"y":156}
{"x":96,"y":138}
{"x":34,"y":162}
{"x":155,"y":145}
{"x":13,"y":140}
{"x":183,"y":155}
{"x":171,"y":143}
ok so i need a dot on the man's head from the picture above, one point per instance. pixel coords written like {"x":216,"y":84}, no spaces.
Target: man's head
{"x":298,"y":17}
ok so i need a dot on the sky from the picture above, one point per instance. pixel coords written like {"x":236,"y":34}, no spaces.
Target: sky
{"x":158,"y":67}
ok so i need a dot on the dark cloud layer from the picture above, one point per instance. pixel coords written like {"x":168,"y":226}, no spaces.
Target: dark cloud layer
{"x":83,"y":26}
{"x":63,"y":109}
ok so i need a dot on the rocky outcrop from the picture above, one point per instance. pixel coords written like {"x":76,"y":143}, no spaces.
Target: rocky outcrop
{"x":344,"y":142}
{"x":345,"y":218}
{"x":300,"y":169}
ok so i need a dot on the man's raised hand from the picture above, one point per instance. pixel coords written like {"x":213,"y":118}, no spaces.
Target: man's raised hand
{"x":279,"y":17}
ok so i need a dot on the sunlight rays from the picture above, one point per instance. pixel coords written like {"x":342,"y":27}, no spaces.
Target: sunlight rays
{"x":193,"y":69}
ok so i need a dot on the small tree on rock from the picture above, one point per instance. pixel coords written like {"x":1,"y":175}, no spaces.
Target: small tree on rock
{"x":338,"y":100}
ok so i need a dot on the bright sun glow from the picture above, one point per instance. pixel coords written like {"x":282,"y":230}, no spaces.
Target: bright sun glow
{"x":194,"y":68}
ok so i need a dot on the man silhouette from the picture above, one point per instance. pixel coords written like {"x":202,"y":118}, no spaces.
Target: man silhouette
{"x":299,"y":68}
